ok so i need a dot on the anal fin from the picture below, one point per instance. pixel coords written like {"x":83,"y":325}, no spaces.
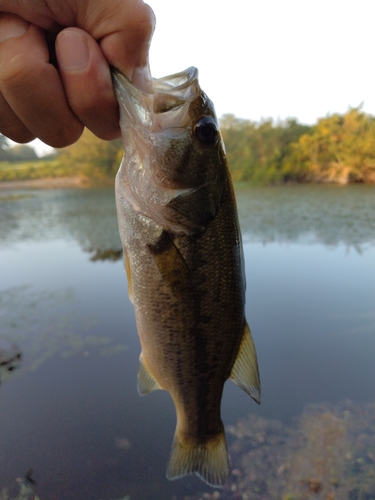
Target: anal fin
{"x":245,"y":371}
{"x":209,"y":460}
{"x":146,"y":382}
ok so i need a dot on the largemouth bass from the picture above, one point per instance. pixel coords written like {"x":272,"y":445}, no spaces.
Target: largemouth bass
{"x":183,"y":253}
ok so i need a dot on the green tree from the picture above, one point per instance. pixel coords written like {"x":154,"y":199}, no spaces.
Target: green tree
{"x":339,"y":148}
{"x":3,"y":148}
{"x":21,"y":152}
{"x":256,"y":151}
{"x":92,"y":157}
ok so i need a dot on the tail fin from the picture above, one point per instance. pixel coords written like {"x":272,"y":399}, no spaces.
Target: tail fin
{"x":209,"y":460}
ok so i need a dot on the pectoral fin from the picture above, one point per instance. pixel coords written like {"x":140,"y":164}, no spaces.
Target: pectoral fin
{"x":129,"y":276}
{"x":171,"y":264}
{"x":245,"y":369}
{"x":146,"y":382}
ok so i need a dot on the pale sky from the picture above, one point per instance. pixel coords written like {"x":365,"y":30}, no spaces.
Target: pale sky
{"x":271,"y":58}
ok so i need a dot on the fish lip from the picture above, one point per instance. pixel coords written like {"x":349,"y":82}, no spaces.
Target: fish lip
{"x":121,"y":81}
{"x":177,"y":82}
{"x":183,"y":85}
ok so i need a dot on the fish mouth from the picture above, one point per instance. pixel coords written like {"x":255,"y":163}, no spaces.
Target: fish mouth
{"x":170,"y":92}
{"x":178,"y":83}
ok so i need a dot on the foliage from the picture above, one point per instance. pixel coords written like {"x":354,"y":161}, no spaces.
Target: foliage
{"x":19,"y":152}
{"x":92,"y":157}
{"x":339,"y":148}
{"x":3,"y":146}
{"x":34,"y":170}
{"x":256,"y":152}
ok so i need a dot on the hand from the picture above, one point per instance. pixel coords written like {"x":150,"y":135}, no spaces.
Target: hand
{"x":55,"y":59}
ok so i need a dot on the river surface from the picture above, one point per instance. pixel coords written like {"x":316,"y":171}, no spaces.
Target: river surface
{"x":72,"y":425}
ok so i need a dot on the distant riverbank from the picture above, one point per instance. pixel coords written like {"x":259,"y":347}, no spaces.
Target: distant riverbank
{"x":52,"y":183}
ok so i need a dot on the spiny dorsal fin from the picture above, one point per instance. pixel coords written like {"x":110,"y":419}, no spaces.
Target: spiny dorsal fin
{"x":146,"y":382}
{"x":129,"y":276}
{"x":245,"y":369}
{"x":209,"y":460}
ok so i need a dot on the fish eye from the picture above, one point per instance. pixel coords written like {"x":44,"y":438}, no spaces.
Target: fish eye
{"x":206,"y":130}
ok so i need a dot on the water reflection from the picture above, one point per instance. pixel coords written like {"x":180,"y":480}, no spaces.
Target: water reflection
{"x":10,"y":359}
{"x":330,"y":215}
{"x":78,"y":421}
{"x":46,"y":324}
{"x":110,"y":254}
{"x":86,"y":216}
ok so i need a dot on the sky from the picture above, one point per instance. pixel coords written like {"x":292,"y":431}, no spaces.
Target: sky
{"x":271,"y":58}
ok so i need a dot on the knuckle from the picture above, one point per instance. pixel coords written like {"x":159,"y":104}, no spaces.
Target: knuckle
{"x":147,"y":22}
{"x":63,"y":136}
{"x":16,"y":133}
{"x":17,"y":74}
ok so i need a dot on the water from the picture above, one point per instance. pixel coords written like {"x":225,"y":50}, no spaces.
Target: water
{"x":70,"y":411}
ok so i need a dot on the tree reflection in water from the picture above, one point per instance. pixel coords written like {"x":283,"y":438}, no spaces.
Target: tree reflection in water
{"x":10,"y":359}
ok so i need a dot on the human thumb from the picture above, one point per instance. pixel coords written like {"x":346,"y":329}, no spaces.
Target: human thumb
{"x":126,"y":45}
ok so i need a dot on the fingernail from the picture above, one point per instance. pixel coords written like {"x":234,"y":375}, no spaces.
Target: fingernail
{"x":12,"y":26}
{"x":142,"y":78}
{"x":72,"y":51}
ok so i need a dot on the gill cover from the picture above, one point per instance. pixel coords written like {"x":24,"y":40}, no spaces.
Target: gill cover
{"x":173,"y":166}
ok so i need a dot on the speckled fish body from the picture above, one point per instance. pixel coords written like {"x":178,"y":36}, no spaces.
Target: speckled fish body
{"x":178,"y":224}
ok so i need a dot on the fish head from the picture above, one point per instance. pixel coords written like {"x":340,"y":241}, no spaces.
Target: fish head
{"x":174,"y":156}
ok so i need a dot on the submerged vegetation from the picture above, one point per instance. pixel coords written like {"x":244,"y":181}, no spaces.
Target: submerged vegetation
{"x":25,"y":493}
{"x":327,"y":454}
{"x":338,"y":148}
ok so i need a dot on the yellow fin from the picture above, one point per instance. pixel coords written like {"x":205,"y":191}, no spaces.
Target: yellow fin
{"x":171,"y":264}
{"x":209,"y":460}
{"x":146,"y":382}
{"x":245,"y":369}
{"x":129,"y":277}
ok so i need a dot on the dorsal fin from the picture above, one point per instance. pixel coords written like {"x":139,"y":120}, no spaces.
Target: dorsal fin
{"x":245,"y":369}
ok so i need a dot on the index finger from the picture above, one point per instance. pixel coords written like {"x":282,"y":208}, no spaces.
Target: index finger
{"x":32,"y":88}
{"x":124,"y":34}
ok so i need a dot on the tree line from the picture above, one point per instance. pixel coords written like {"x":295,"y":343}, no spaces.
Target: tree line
{"x":338,"y":148}
{"x":17,"y":153}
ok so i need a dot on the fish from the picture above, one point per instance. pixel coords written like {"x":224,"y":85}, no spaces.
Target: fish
{"x":179,"y":228}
